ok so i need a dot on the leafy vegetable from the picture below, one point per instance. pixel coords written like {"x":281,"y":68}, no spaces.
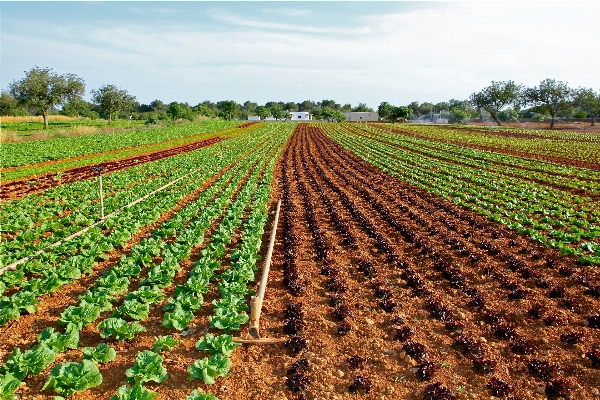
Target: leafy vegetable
{"x":147,"y":367}
{"x":228,"y":319}
{"x":8,"y":385}
{"x":59,"y":342}
{"x":196,"y":395}
{"x":222,"y":344}
{"x":133,"y":309}
{"x":32,"y":362}
{"x":119,"y":328}
{"x":178,"y":318}
{"x":78,"y":317}
{"x":69,"y":378}
{"x":164,"y":343}
{"x":136,"y":392}
{"x":208,"y":369}
{"x":101,"y":354}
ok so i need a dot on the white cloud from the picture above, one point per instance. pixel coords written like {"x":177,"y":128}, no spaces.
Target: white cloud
{"x":433,"y":53}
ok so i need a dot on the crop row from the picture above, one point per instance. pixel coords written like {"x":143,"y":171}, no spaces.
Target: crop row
{"x":578,"y":147}
{"x":524,"y":206}
{"x":172,"y":243}
{"x":24,"y":153}
{"x":66,"y":262}
{"x":421,"y":288}
{"x":544,"y":172}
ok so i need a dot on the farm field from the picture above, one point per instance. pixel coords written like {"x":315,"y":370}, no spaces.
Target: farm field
{"x":410,"y":262}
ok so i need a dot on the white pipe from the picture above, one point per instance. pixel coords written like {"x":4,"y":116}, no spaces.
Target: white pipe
{"x":22,"y":260}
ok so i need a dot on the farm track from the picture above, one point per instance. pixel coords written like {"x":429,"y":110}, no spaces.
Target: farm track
{"x":403,"y":231}
{"x":19,"y":188}
{"x":498,"y":170}
{"x":560,"y":160}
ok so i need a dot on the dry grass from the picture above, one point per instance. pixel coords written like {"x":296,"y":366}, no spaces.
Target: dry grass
{"x":36,"y":118}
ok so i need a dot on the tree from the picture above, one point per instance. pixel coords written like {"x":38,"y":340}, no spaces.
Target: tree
{"x":339,"y":116}
{"x":400,"y":113}
{"x":459,"y":116}
{"x":290,"y":106}
{"x":307,"y":106}
{"x":180,"y":111}
{"x":78,"y":108}
{"x":508,"y":115}
{"x":553,"y":95}
{"x":249,"y":106}
{"x":385,"y":110}
{"x":425,"y":108}
{"x":588,"y":101}
{"x":362,"y":107}
{"x":43,"y":89}
{"x":497,"y":96}
{"x":279,"y":113}
{"x":263,"y":112}
{"x":158,"y":106}
{"x":112,"y":100}
{"x":330,"y":104}
{"x":415,"y":107}
{"x":227,"y":108}
{"x":10,"y":106}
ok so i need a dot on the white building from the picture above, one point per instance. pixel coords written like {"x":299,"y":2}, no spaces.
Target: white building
{"x":294,"y":116}
{"x":362,"y":116}
{"x":300,"y":116}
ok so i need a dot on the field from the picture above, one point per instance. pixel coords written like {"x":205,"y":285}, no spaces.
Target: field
{"x":416,"y":262}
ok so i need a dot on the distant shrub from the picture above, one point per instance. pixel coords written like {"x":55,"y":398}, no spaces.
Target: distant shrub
{"x":580,"y":114}
{"x":538,"y":117}
{"x":459,"y":116}
{"x":508,"y":115}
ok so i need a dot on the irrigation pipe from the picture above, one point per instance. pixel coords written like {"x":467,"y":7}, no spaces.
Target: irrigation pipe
{"x":257,"y":301}
{"x":29,"y":257}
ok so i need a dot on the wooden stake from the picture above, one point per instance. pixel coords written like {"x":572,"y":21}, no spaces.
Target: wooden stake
{"x":101,"y":194}
{"x":257,"y":301}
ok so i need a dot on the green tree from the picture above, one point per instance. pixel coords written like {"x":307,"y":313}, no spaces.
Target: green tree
{"x":10,"y":106}
{"x":180,"y":111}
{"x":78,"y":108}
{"x":278,"y":112}
{"x":339,"y":115}
{"x":43,"y":89}
{"x":588,"y":101}
{"x":330,"y":104}
{"x":385,"y":110}
{"x":459,"y":116}
{"x":204,"y":110}
{"x":262,"y":112}
{"x":552,"y":94}
{"x":415,"y":107}
{"x":400,"y":113}
{"x":158,"y":106}
{"x":508,"y":115}
{"x":425,"y":108}
{"x":112,"y":100}
{"x":228,"y":109}
{"x":497,"y":96}
{"x":290,"y":106}
{"x":249,"y":106}
{"x":307,"y":106}
{"x":362,"y":107}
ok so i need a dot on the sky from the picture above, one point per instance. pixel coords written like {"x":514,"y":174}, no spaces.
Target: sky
{"x":350,"y":52}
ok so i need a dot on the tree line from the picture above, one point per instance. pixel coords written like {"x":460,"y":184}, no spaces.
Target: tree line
{"x":43,"y":92}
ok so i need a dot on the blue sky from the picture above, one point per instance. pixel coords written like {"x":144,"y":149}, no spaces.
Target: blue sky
{"x":350,"y":52}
